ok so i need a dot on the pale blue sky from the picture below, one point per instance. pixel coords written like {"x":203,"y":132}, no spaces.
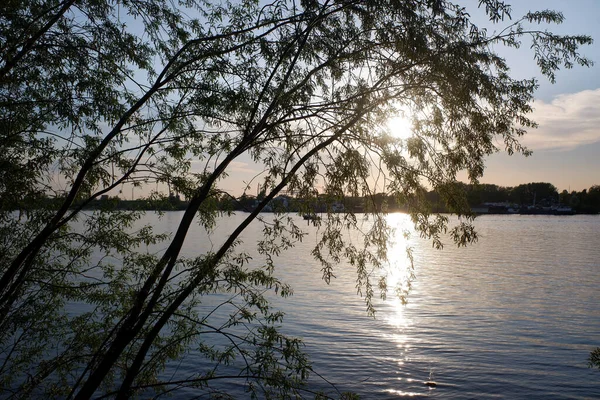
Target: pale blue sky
{"x":566,"y":146}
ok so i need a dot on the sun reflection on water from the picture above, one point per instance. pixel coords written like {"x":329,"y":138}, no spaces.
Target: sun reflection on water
{"x":399,"y":271}
{"x":393,"y":310}
{"x":401,"y":393}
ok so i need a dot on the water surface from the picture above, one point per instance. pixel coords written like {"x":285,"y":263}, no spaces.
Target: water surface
{"x":513,"y":316}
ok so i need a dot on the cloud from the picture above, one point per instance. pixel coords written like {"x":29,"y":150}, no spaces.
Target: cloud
{"x":239,"y":166}
{"x":568,"y":121}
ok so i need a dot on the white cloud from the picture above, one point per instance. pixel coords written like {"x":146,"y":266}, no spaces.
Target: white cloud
{"x":569,"y":121}
{"x":239,"y":166}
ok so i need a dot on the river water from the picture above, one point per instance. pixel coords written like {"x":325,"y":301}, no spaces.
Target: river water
{"x":513,"y":316}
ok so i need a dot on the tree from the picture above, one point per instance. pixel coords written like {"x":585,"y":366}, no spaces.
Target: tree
{"x":536,"y":192}
{"x":96,"y":94}
{"x":594,"y":198}
{"x":594,"y":360}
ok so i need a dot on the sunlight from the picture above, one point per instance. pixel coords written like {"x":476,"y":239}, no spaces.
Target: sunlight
{"x":400,"y":127}
{"x":399,"y":269}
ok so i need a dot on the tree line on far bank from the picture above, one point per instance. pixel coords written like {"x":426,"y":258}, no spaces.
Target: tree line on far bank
{"x":539,"y":194}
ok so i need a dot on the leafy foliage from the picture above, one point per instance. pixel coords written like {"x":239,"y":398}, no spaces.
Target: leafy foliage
{"x":594,"y":360}
{"x":98,"y":94}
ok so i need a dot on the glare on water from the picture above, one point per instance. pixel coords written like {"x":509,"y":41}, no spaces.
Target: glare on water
{"x":515,"y":314}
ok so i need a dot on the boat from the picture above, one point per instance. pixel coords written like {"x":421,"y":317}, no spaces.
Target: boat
{"x":563,"y":210}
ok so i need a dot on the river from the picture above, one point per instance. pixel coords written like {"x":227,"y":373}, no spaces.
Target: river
{"x":513,"y":316}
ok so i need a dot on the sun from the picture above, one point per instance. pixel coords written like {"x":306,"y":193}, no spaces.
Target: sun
{"x":400,"y":127}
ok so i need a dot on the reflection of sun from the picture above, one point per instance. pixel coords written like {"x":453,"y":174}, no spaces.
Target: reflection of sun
{"x":399,"y":268}
{"x":400,"y":127}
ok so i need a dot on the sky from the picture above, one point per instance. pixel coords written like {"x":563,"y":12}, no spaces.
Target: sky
{"x":566,"y":145}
